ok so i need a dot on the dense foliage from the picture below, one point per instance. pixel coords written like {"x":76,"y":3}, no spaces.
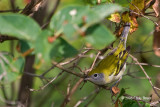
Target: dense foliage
{"x":43,"y":58}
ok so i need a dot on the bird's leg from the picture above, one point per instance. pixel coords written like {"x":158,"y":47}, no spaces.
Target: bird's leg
{"x":117,"y":82}
{"x":115,"y":85}
{"x":114,"y":88}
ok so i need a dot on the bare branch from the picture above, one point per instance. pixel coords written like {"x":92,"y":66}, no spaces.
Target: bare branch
{"x":145,"y":64}
{"x":92,"y":98}
{"x":41,"y":88}
{"x":75,"y":58}
{"x":93,"y":62}
{"x":146,"y":17}
{"x":67,"y":70}
{"x":5,"y":38}
{"x":13,"y":6}
{"x":154,"y":104}
{"x":67,"y":99}
{"x":149,"y":79}
{"x":87,"y":97}
{"x":16,"y":10}
{"x":148,"y":51}
{"x":57,"y":2}
{"x":141,"y":14}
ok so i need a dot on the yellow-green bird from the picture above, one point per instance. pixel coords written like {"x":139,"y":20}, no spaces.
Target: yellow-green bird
{"x":112,"y":67}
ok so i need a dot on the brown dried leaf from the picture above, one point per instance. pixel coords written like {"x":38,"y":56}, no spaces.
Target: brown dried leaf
{"x":118,"y":32}
{"x":132,"y":19}
{"x":115,"y":17}
{"x":115,"y":90}
{"x":28,"y":52}
{"x":18,"y":48}
{"x":134,"y":24}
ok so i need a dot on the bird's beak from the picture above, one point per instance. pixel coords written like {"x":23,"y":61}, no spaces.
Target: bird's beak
{"x":87,"y":78}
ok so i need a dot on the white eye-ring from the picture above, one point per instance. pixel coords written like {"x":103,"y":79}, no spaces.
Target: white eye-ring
{"x":95,"y":75}
{"x":97,"y":78}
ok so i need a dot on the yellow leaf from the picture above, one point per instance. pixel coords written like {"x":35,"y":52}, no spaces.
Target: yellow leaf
{"x":126,"y":17}
{"x":132,"y":19}
{"x":137,"y":5}
{"x":115,"y":17}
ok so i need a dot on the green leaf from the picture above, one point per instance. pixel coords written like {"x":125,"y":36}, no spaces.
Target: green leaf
{"x":72,"y":20}
{"x":105,"y":10}
{"x":132,"y":103}
{"x":42,"y":46}
{"x":56,"y":50}
{"x":61,"y":20}
{"x":20,"y":26}
{"x":99,"y":36}
{"x":95,"y":2}
{"x":123,"y":3}
{"x":24,"y":46}
{"x":62,"y":49}
{"x":12,"y":68}
{"x":122,"y":92}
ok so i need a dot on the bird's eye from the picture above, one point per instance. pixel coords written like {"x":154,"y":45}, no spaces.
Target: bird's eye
{"x":95,"y":75}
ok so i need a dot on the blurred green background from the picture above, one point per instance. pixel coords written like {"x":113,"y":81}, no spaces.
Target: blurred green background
{"x":55,"y":93}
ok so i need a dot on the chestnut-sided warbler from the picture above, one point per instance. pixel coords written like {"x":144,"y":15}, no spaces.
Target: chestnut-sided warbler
{"x":112,"y":67}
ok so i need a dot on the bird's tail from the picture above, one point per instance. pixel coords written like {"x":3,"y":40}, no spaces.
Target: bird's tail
{"x":124,"y":35}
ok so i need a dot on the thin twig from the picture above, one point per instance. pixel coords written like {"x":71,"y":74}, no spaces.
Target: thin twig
{"x":150,"y":34}
{"x":8,"y":63}
{"x":148,"y":51}
{"x":67,"y":70}
{"x":92,"y":98}
{"x":4,"y":70}
{"x":43,"y":74}
{"x":149,"y":4}
{"x":4,"y":92}
{"x":5,"y":38}
{"x":93,"y":62}
{"x":149,"y":79}
{"x":67,"y":99}
{"x":75,"y":58}
{"x":57,"y":2}
{"x":13,"y":6}
{"x":136,"y":76}
{"x":68,"y":88}
{"x":31,"y":7}
{"x":86,"y":97}
{"x":81,"y":75}
{"x":136,"y":98}
{"x":141,"y":14}
{"x":41,"y":88}
{"x":154,"y":104}
{"x":34,"y":75}
{"x":4,"y":11}
{"x":146,"y":18}
{"x":145,"y":64}
{"x":8,"y":102}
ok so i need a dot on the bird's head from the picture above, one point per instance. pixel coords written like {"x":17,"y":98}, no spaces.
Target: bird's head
{"x":97,"y":78}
